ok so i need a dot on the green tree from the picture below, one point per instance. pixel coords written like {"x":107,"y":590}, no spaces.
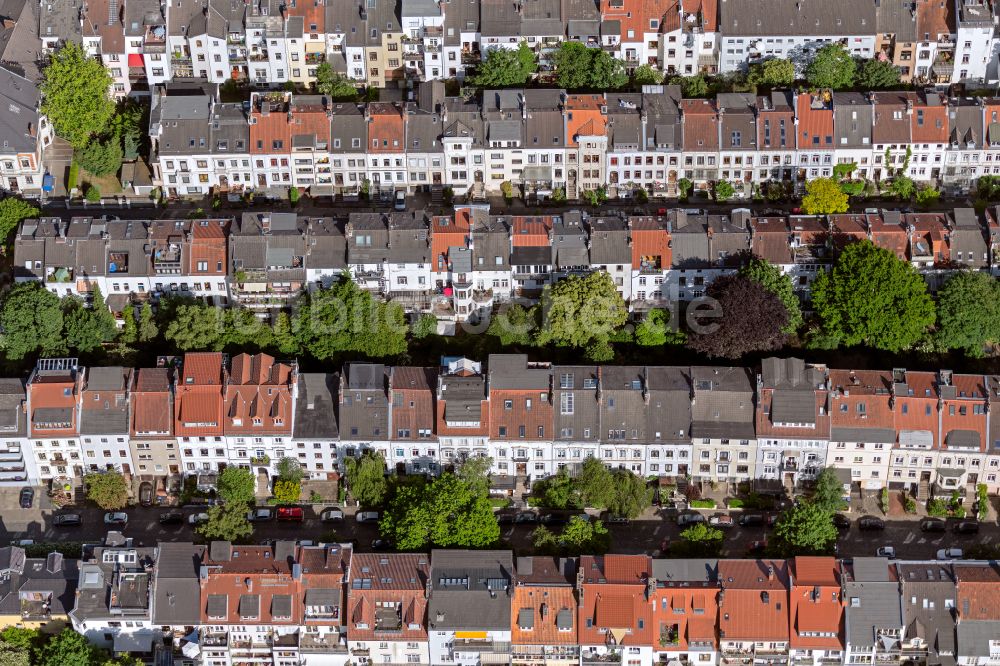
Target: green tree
{"x":282,"y":336}
{"x":346,"y":318}
{"x":366,"y":478}
{"x":645,"y":75}
{"x":871,"y":297}
{"x":829,"y":491}
{"x":108,"y":490}
{"x":237,"y":485}
{"x":67,"y":648}
{"x":128,"y":125}
{"x":573,"y":62}
{"x":596,"y":484}
{"x":13,"y":211}
{"x":474,"y":472}
{"x":968,"y":311}
{"x":14,"y":655}
{"x":927,"y":196}
{"x":515,"y":325}
{"x":581,"y":310}
{"x":582,"y":536}
{"x":424,"y":326}
{"x":31,"y":320}
{"x":780,"y":284}
{"x":655,"y":330}
{"x":196,"y":327}
{"x":700,"y":540}
{"x":20,"y":637}
{"x":691,"y":86}
{"x":902,"y":187}
{"x":289,"y":469}
{"x":130,"y":330}
{"x":446,"y":513}
{"x":723,"y":190}
{"x":844,"y":169}
{"x":824,"y":197}
{"x":101,"y":158}
{"x":502,"y":68}
{"x":334,"y":85}
{"x":82,"y":330}
{"x":243,"y":329}
{"x":772,"y":73}
{"x":606,"y":71}
{"x":147,"y":323}
{"x":75,"y":95}
{"x":831,"y":67}
{"x":631,"y":494}
{"x":286,"y":491}
{"x":877,"y":74}
{"x":92,"y":194}
{"x":805,"y":529}
{"x":558,"y":491}
{"x":226,"y":522}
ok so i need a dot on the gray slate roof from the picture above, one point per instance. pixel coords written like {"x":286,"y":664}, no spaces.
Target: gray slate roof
{"x":470,"y":590}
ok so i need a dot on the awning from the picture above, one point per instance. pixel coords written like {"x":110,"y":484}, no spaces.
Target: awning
{"x":135,"y":60}
{"x":474,"y":635}
{"x":950,"y":472}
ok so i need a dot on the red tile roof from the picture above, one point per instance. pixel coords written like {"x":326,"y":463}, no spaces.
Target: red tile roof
{"x":929,"y":121}
{"x":770,"y":239}
{"x":978,"y":592}
{"x":395,"y":581}
{"x":411,"y":393}
{"x":258,"y":396}
{"x":584,"y":117}
{"x":700,"y":125}
{"x":151,"y":408}
{"x":531,"y":230}
{"x":815,"y":123}
{"x":545,"y":603}
{"x":754,"y":604}
{"x":387,"y":128}
{"x":816,"y":604}
{"x":650,"y":243}
{"x":861,"y":399}
{"x":446,"y":233}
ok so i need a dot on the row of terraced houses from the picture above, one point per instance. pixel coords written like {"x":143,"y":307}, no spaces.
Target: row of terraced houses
{"x":461,"y":265}
{"x":387,"y":42}
{"x":539,"y":140}
{"x":775,"y":427}
{"x":292,"y":603}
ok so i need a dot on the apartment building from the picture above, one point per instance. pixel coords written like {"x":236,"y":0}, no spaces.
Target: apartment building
{"x":862,"y":426}
{"x":26,"y":135}
{"x":291,"y":603}
{"x":151,"y":436}
{"x":199,"y":412}
{"x":722,"y":427}
{"x":17,"y":462}
{"x":468,"y":606}
{"x":387,"y":606}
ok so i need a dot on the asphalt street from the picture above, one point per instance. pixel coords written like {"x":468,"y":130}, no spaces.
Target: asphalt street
{"x":648,"y":535}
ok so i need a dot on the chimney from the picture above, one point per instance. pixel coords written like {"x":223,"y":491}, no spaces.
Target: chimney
{"x":770,"y":572}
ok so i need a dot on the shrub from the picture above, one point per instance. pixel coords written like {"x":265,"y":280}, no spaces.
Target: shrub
{"x":286,"y":492}
{"x":883,"y":500}
{"x":734,"y":503}
{"x":937,"y":508}
{"x":293,"y":195}
{"x":703,"y":504}
{"x":74,"y":176}
{"x":92,"y":194}
{"x":982,"y":501}
{"x":909,"y":504}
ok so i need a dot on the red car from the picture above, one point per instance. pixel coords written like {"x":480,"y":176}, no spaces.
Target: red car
{"x":292,"y":513}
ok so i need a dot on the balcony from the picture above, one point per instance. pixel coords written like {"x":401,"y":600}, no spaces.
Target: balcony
{"x":321,"y":642}
{"x":789,"y":465}
{"x":180,"y":56}
{"x":612,"y":657}
{"x":482,"y":295}
{"x":260,"y":460}
{"x":388,"y":619}
{"x":480,"y":647}
{"x":214,"y":639}
{"x":257,"y":57}
{"x":315,"y":58}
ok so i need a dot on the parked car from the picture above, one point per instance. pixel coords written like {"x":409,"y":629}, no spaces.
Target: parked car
{"x":685,"y":519}
{"x":67,"y":520}
{"x":146,"y":493}
{"x":553,"y":518}
{"x":886,"y":551}
{"x":612,"y":519}
{"x":949,"y":554}
{"x":115,"y":518}
{"x":505,"y":518}
{"x":526,"y":517}
{"x":757,"y":547}
{"x":171,"y":518}
{"x":332,"y":516}
{"x":291,"y":513}
{"x":772,"y":519}
{"x":259,"y":515}
{"x":751,"y":520}
{"x":722,"y":520}
{"x":381,"y":544}
{"x":399,"y":201}
{"x":871,"y":523}
{"x":967,"y":527}
{"x":366,"y":516}
{"x":841,"y":521}
{"x":197,"y":518}
{"x":933,"y":525}
{"x":27,"y":497}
